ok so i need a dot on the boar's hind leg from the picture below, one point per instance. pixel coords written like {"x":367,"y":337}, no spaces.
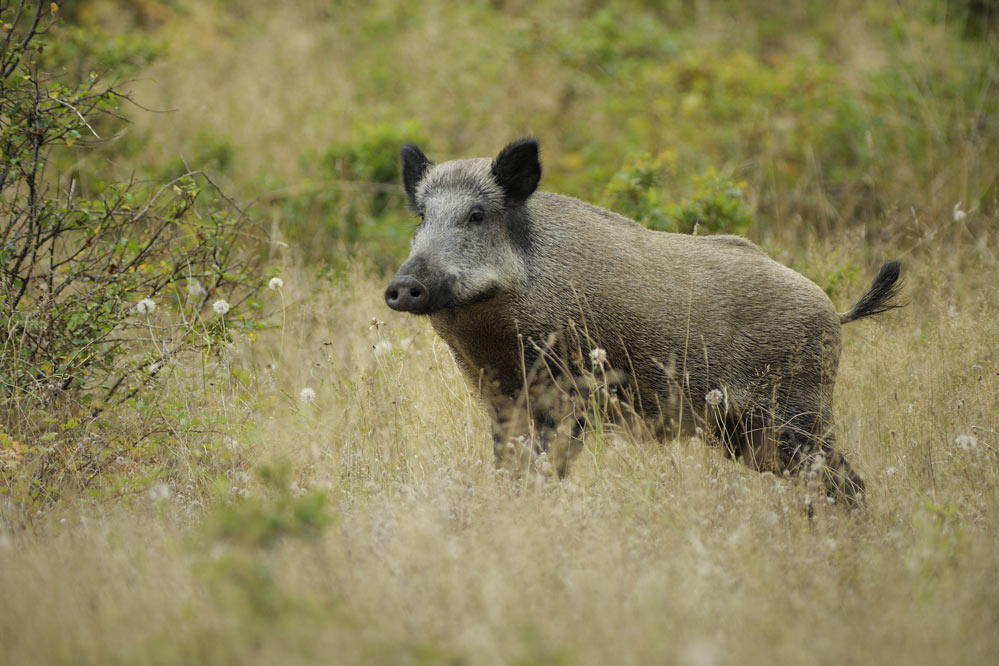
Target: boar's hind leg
{"x":801,"y":446}
{"x":810,"y":451}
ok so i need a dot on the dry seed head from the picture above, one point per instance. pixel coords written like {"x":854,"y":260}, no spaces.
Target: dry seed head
{"x":145,"y":306}
{"x":966,"y":442}
{"x":714,"y":397}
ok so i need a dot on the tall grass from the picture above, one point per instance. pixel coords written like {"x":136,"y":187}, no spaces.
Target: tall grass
{"x":423,"y":553}
{"x":363,"y":521}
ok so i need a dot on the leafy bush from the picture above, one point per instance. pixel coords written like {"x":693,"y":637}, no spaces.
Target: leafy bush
{"x":642,"y":191}
{"x":99,"y":294}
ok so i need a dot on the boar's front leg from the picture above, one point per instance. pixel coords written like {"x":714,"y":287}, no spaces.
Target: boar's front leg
{"x":543,"y":434}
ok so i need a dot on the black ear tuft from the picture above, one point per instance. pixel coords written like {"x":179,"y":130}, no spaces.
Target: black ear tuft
{"x":517,"y":169}
{"x":414,"y":166}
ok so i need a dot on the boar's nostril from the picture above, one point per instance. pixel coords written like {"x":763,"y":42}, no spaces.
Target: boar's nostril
{"x":406,"y":294}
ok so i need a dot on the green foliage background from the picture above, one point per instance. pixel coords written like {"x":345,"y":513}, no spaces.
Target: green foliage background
{"x":825,"y":116}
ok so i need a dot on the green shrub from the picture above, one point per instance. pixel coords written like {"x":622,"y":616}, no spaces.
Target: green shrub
{"x":712,"y":203}
{"x":99,"y":294}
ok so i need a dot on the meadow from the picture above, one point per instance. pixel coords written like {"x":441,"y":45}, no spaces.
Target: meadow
{"x":311,"y":480}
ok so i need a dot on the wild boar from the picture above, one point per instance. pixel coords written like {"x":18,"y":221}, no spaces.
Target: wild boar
{"x":540,"y":296}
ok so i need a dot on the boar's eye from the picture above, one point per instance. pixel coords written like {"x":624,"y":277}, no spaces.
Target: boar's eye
{"x":476,"y":216}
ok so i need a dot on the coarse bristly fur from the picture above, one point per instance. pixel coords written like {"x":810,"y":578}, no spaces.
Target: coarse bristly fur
{"x":697,"y":332}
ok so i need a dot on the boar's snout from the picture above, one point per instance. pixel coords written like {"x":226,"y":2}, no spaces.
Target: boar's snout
{"x":407,"y":294}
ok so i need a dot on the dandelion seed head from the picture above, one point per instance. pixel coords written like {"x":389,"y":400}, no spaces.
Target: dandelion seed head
{"x":220,"y":306}
{"x":598,"y":357}
{"x":159,"y":492}
{"x":307,"y":394}
{"x":958,"y":213}
{"x":145,"y":306}
{"x":966,"y":442}
{"x":714,"y":397}
{"x":382,"y":347}
{"x":195,"y":288}
{"x":275,"y":283}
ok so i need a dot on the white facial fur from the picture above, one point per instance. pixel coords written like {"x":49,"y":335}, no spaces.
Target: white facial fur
{"x":477,"y":258}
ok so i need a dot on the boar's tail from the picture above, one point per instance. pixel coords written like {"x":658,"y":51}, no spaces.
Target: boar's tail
{"x":879,"y":297}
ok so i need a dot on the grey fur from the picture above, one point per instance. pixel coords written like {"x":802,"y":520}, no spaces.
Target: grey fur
{"x":522,"y":296}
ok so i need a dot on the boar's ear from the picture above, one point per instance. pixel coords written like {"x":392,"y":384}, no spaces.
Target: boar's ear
{"x":414,"y":166}
{"x":517,"y":170}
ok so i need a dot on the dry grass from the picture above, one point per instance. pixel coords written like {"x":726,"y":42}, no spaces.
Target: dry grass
{"x":648,"y":553}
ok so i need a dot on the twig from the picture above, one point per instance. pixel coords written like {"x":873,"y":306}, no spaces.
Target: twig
{"x":84,"y":120}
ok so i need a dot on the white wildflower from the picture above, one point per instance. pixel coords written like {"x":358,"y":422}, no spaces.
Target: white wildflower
{"x":307,"y":394}
{"x":145,"y":306}
{"x":159,"y":492}
{"x":966,"y":442}
{"x":959,"y":214}
{"x":220,"y":306}
{"x":598,"y":357}
{"x":383,"y":347}
{"x":275,"y":283}
{"x":714,"y":397}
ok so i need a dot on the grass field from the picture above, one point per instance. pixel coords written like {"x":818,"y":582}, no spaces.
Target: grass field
{"x":326,"y":491}
{"x":647,"y":553}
